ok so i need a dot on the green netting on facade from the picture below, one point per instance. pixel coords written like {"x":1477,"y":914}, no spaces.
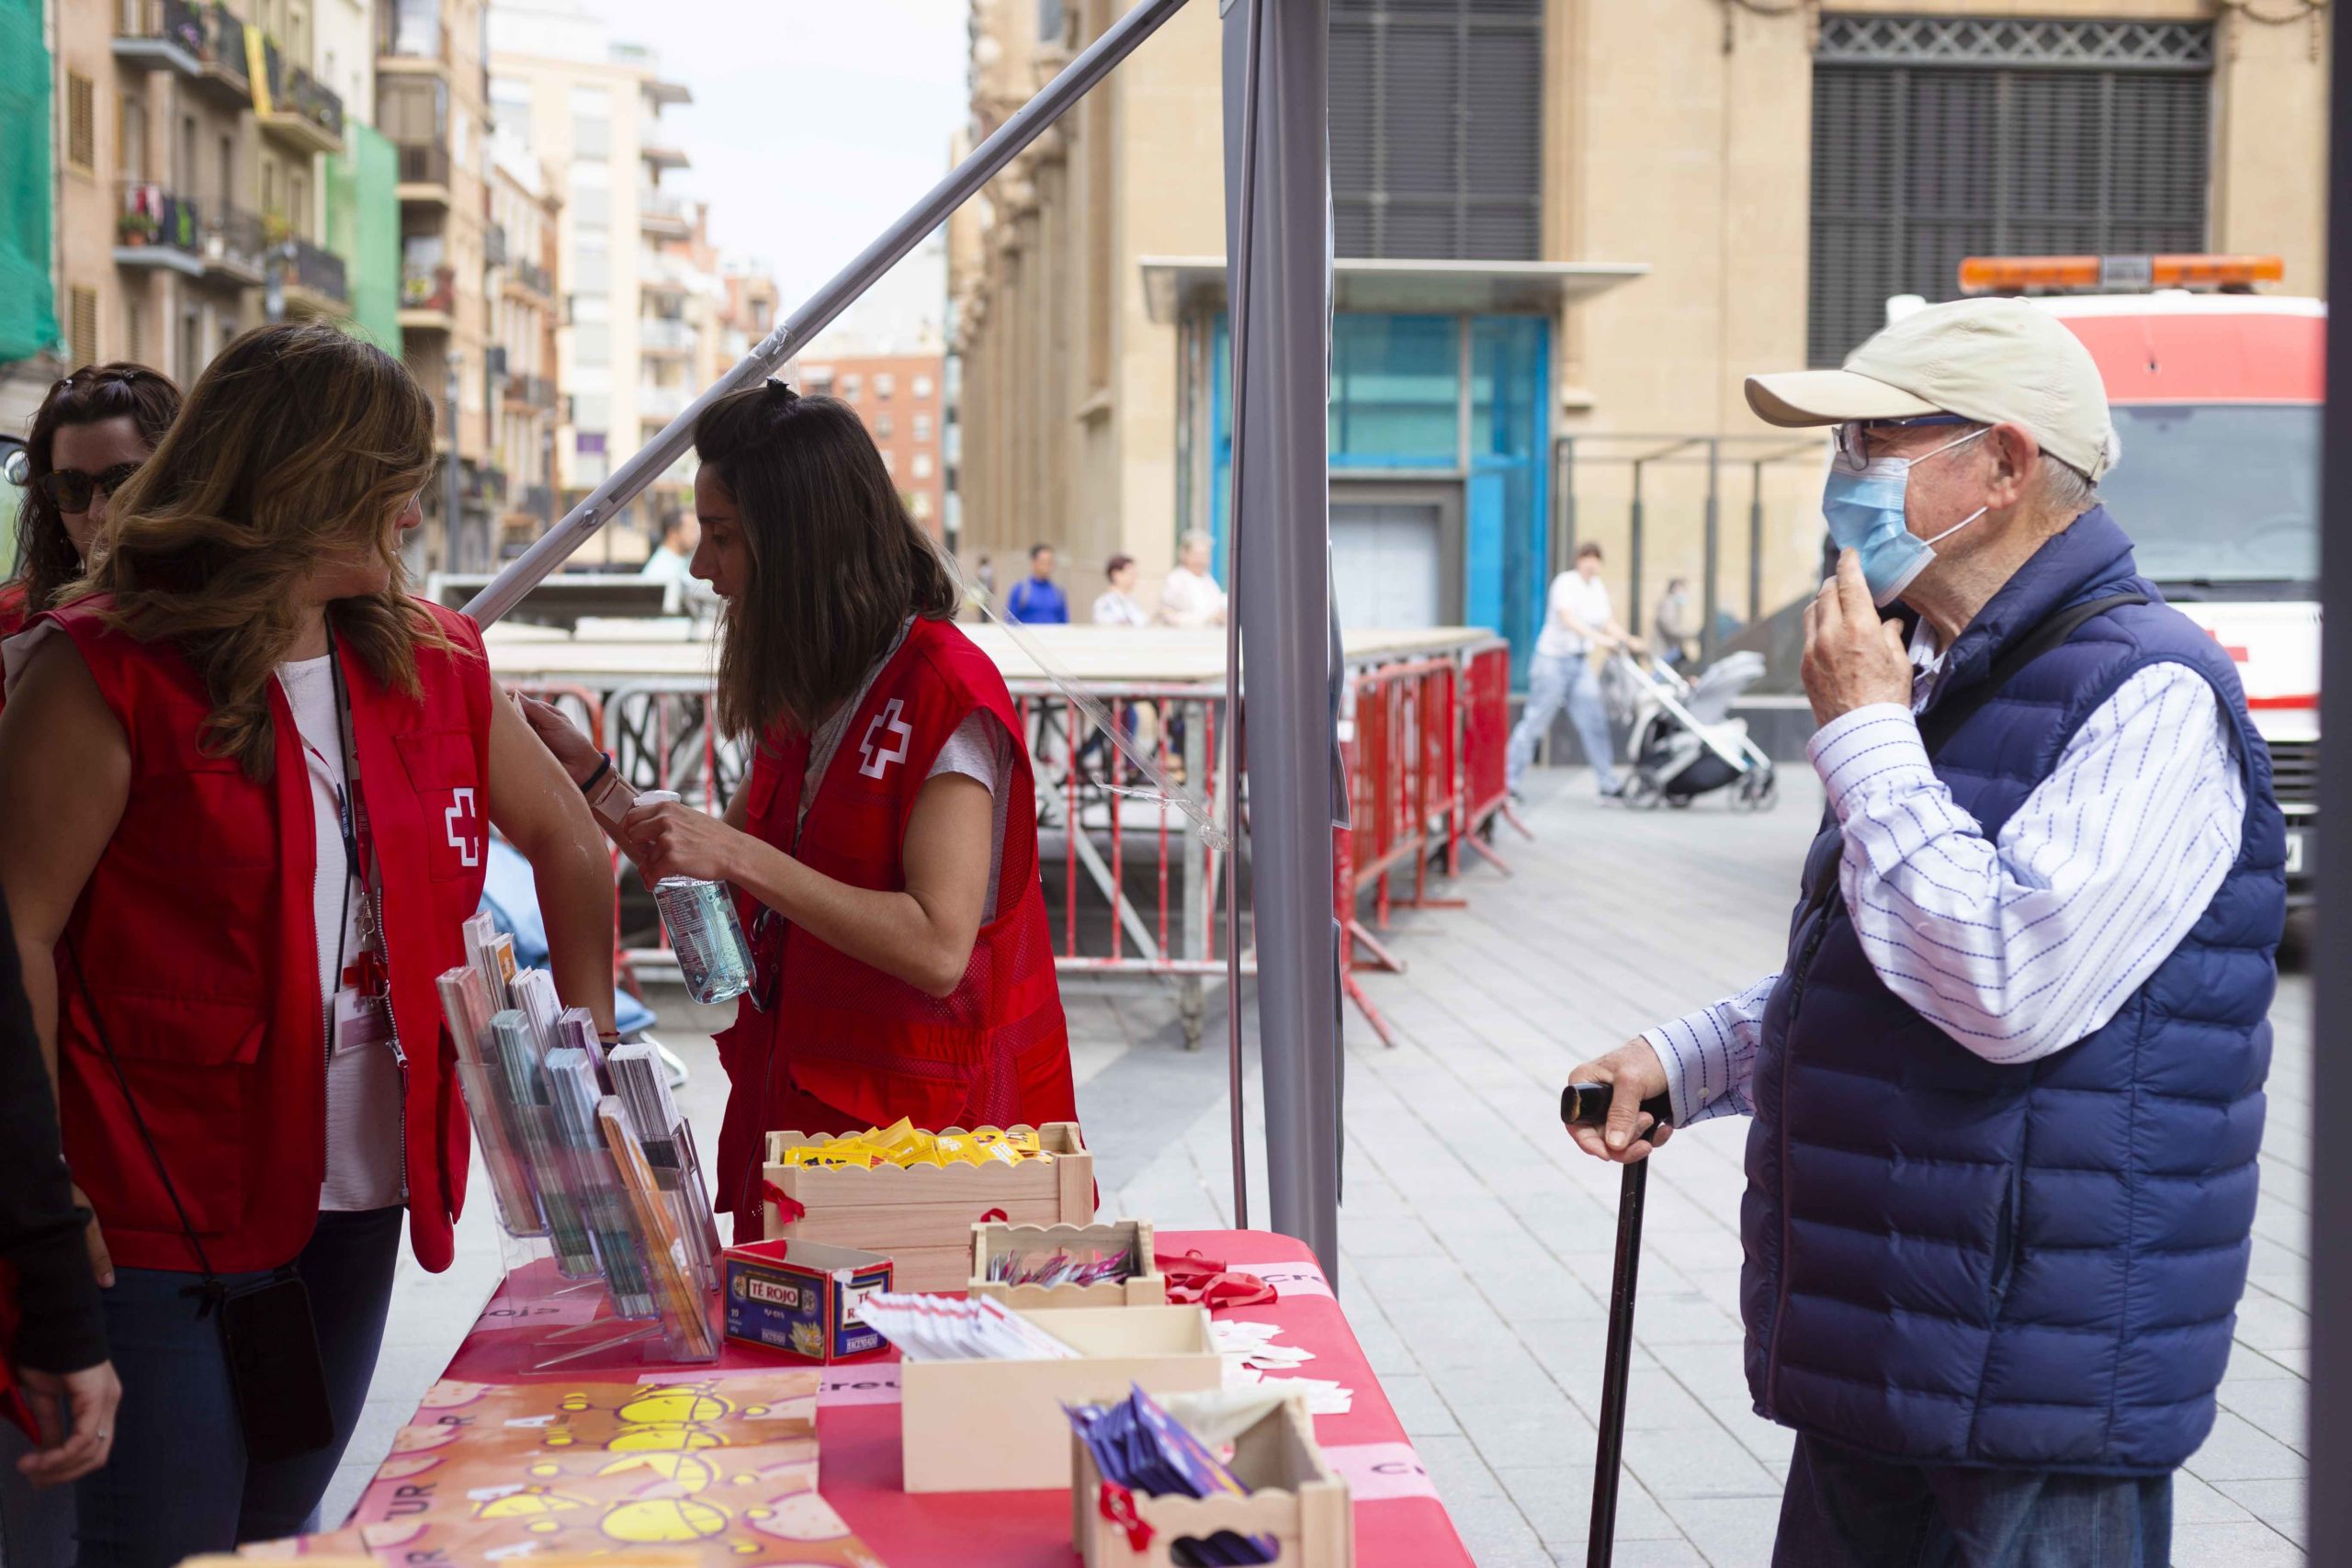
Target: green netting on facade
{"x":364,"y":228}
{"x":27,"y":296}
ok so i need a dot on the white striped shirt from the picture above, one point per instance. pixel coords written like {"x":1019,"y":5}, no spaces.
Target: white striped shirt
{"x":2017,"y":946}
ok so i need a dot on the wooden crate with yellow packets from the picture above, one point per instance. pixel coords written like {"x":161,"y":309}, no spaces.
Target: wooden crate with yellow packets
{"x":914,"y":1195}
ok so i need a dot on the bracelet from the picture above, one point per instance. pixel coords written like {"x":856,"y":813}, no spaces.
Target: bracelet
{"x":603,"y":766}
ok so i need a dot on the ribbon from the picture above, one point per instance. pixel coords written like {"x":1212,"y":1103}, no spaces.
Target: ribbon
{"x":790,"y":1210}
{"x":1118,"y":1505}
{"x":1193,"y":1278}
{"x":996,"y":1215}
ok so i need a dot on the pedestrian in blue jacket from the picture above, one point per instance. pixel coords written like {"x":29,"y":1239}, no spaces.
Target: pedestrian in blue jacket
{"x":1034,"y":599}
{"x":2006,"y":1090}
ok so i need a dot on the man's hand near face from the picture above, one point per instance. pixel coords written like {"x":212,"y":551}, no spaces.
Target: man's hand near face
{"x":1852,"y":657}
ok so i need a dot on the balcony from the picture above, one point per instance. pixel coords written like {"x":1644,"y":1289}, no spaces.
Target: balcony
{"x":663,"y":215}
{"x":529,"y":277}
{"x":659,"y":157}
{"x":664,"y":335}
{"x":428,"y":299}
{"x":423,"y":172}
{"x":409,"y":36}
{"x":494,"y":246}
{"x":234,"y":251}
{"x":659,"y":402}
{"x":530,"y":391}
{"x":155,"y":228}
{"x":312,"y":278}
{"x":203,"y":43}
{"x":304,"y":112}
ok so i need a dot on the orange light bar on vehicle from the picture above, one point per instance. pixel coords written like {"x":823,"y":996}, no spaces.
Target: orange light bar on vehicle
{"x":2113,"y":275}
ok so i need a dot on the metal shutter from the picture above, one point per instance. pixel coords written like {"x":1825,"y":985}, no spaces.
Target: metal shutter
{"x":1437,"y":118}
{"x":1940,"y":137}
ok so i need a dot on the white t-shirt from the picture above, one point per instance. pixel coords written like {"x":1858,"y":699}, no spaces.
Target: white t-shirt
{"x":1189,"y":598}
{"x":1113,"y":608}
{"x":363,"y":1085}
{"x":1575,"y":614}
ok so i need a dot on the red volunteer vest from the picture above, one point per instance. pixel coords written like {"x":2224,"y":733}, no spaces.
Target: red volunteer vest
{"x":11,"y":618}
{"x":196,"y":937}
{"x":993,"y":1052}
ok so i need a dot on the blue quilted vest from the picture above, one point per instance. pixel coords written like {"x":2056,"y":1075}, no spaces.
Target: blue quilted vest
{"x":2034,"y":1266}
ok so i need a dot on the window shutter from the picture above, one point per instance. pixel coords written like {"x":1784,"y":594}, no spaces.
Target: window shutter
{"x":82,"y":328}
{"x":1436,"y":117}
{"x":1935,"y":139}
{"x":81,"y":122}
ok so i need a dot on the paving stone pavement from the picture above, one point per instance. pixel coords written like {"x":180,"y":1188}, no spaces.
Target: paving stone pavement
{"x":1475,"y":1242}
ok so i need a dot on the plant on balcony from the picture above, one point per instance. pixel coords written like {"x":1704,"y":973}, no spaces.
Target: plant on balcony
{"x":275,"y":229}
{"x":135,"y":228}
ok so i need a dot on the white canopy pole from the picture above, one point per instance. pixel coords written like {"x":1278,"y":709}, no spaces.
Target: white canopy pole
{"x":795,"y":331}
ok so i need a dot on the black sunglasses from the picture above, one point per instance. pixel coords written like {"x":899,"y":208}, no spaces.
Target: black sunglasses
{"x":69,"y":490}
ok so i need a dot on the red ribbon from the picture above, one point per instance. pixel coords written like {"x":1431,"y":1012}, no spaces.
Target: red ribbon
{"x":996,"y":1215}
{"x":788,"y":1208}
{"x":1193,"y":1278}
{"x":1118,"y":1505}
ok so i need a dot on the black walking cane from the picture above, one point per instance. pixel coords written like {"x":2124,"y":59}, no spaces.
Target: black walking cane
{"x":1587,"y":1105}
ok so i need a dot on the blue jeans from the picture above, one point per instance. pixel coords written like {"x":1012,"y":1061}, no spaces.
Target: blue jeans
{"x":1554,"y":682}
{"x":1845,"y":1509}
{"x":178,"y":1483}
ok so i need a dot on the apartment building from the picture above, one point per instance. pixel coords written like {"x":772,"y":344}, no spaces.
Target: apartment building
{"x":1566,"y":233}
{"x":524,"y":212}
{"x":902,"y":396}
{"x":432,"y":97}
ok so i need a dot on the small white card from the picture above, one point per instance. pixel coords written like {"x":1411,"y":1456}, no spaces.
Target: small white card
{"x":359,"y":1022}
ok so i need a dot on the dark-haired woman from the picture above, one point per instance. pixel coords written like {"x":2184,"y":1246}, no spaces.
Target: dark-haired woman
{"x":887,"y":841}
{"x":247,"y":780}
{"x":89,"y":435}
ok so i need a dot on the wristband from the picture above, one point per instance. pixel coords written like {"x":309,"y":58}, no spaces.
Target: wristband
{"x":603,"y":766}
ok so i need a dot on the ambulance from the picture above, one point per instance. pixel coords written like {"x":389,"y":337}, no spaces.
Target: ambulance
{"x":2217,"y":395}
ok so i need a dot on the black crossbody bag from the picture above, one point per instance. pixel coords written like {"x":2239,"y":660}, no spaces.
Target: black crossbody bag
{"x":267,"y":1336}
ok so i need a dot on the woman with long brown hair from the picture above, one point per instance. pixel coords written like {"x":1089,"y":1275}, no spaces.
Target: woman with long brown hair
{"x":88,"y":437}
{"x":887,"y":842}
{"x":247,"y":779}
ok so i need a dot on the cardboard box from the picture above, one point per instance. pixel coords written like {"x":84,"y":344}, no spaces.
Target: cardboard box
{"x":921,"y":1216}
{"x":998,"y":1427}
{"x":1294,"y":1497}
{"x":1146,"y":1287}
{"x":801,"y":1297}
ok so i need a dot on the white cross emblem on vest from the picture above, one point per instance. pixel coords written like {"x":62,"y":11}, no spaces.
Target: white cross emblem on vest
{"x":461,"y":810}
{"x":878,"y":762}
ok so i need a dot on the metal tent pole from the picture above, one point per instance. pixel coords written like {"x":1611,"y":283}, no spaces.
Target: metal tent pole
{"x":794,"y":332}
{"x":1279,"y":282}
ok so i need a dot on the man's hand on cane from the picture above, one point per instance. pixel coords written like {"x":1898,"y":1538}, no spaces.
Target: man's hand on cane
{"x":1633,"y":1074}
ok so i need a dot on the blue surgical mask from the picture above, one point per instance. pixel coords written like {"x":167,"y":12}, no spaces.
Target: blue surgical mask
{"x":1864,"y":510}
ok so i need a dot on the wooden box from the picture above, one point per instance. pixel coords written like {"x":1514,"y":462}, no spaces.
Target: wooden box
{"x":921,"y":1216}
{"x":1293,"y":1498}
{"x":998,"y":1427}
{"x":1146,"y":1287}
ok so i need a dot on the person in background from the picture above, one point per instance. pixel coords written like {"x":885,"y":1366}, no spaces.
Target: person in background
{"x":667,"y":564}
{"x":985,"y":575}
{"x":884,"y":852}
{"x":1189,"y":596}
{"x":2006,"y":1090}
{"x":1034,"y":600}
{"x":1676,"y":627}
{"x":1116,"y":605}
{"x":263,"y":774}
{"x":87,"y":438}
{"x":1577,"y":621}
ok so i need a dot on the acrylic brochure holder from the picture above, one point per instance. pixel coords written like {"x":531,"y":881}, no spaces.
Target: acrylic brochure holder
{"x":605,"y":1248}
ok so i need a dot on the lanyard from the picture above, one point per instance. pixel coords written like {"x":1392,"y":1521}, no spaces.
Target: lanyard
{"x":359,"y":844}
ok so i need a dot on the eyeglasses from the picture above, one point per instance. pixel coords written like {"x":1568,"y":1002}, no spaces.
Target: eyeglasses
{"x":69,"y":490}
{"x":1853,"y":447}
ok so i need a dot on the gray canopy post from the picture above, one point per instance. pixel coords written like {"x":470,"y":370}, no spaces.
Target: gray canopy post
{"x":1278,"y":282}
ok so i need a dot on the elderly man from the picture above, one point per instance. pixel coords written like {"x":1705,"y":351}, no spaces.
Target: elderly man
{"x":2007,"y":1089}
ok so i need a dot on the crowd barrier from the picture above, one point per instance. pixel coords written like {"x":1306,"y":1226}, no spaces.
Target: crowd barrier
{"x":1133,"y":890}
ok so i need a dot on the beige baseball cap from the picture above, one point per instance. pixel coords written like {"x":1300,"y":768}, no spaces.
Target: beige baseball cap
{"x":1996,"y":361}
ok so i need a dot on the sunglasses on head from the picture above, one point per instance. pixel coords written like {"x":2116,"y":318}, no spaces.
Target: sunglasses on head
{"x":1851,"y":437}
{"x":69,"y":490}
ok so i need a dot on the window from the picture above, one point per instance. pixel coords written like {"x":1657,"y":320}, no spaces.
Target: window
{"x":81,"y":122}
{"x":922,"y":427}
{"x":923,"y":386}
{"x":592,"y":344}
{"x":920,"y":504}
{"x":1437,"y":119}
{"x":81,"y":326}
{"x":591,"y":122}
{"x":510,"y":105}
{"x":134,"y":338}
{"x":883,"y":425}
{"x":850,"y":384}
{"x":889,"y":461}
{"x":922,"y":465}
{"x":130,"y":138}
{"x":1396,"y":391}
{"x":884,"y":385}
{"x":1935,"y":139}
{"x":191,"y":349}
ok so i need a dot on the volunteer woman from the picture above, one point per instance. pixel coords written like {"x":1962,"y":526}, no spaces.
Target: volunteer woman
{"x":251,"y":1079}
{"x":89,"y":435}
{"x":887,"y":838}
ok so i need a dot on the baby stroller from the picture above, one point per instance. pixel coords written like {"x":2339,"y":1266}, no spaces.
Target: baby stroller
{"x":1685,"y":742}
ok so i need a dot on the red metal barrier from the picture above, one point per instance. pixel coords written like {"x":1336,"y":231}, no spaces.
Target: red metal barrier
{"x":1485,"y":748}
